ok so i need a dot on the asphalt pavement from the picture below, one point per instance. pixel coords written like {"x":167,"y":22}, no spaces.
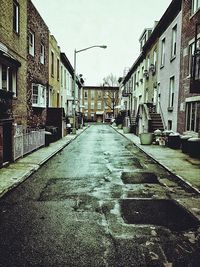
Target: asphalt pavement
{"x":100,"y":201}
{"x":185,"y":168}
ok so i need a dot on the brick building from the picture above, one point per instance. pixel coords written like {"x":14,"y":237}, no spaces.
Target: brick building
{"x":54,"y":72}
{"x":38,"y":66}
{"x":189,"y":93}
{"x":13,"y":69}
{"x":100,"y":103}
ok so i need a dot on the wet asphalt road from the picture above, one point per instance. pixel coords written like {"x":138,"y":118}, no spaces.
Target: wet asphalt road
{"x":69,"y":213}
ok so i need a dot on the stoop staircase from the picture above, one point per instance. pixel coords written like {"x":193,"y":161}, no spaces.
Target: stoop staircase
{"x":155,"y":122}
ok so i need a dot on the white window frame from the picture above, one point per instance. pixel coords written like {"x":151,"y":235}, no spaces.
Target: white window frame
{"x":85,"y":105}
{"x":195,"y":6}
{"x":99,"y":105}
{"x":31,"y":43}
{"x":174,"y":41}
{"x":42,"y":54}
{"x":171,"y":91}
{"x":192,"y":115}
{"x":162,"y":59}
{"x":92,"y":105}
{"x":40,"y":96}
{"x":16,"y":22}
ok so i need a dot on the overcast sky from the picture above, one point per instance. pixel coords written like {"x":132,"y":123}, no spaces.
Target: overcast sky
{"x":115,"y":23}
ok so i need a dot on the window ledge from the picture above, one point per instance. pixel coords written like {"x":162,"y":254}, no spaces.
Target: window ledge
{"x":170,"y":109}
{"x":172,"y":58}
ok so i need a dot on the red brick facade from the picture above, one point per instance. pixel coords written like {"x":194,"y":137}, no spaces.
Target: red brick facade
{"x":189,"y":22}
{"x":37,"y":72}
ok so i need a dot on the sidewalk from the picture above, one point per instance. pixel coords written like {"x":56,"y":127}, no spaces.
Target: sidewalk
{"x":185,"y":168}
{"x":15,"y":173}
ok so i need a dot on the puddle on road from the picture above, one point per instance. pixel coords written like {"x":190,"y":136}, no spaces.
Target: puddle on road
{"x":139,"y":178}
{"x":160,"y":212}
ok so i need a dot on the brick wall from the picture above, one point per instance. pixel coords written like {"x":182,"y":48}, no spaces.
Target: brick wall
{"x":188,"y":33}
{"x":37,"y":72}
{"x":17,"y":47}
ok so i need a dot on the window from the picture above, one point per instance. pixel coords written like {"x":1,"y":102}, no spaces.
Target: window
{"x":42,"y":54}
{"x":61,"y":73}
{"x":86,"y":105}
{"x":99,"y":105}
{"x":99,"y":94}
{"x":35,"y":95}
{"x":192,"y":116}
{"x":58,"y":69}
{"x":85,"y":94}
{"x":92,"y":94}
{"x":162,"y":63}
{"x":195,"y":5}
{"x":38,"y":95}
{"x":31,"y":43}
{"x":15,"y":17}
{"x":92,"y":105}
{"x":174,"y":40}
{"x":169,"y":125}
{"x":191,"y":54}
{"x":154,"y":58}
{"x":52,"y":63}
{"x":171,"y":92}
{"x":8,"y":79}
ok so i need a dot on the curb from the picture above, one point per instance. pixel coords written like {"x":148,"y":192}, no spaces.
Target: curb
{"x":35,"y":167}
{"x":178,"y":177}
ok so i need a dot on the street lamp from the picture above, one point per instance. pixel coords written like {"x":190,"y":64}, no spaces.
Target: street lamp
{"x":74,"y":81}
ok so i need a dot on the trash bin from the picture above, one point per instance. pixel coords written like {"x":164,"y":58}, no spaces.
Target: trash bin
{"x":194,"y":147}
{"x":146,"y":138}
{"x":174,"y":141}
{"x":48,"y":137}
{"x":184,"y":143}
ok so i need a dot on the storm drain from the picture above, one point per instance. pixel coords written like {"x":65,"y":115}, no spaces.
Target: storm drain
{"x":159,"y":212}
{"x":139,"y":178}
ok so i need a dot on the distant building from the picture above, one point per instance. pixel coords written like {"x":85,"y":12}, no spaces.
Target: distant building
{"x":189,"y":93}
{"x":38,"y":67}
{"x":100,"y":103}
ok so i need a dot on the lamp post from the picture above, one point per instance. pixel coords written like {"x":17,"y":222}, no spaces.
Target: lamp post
{"x":74,"y":81}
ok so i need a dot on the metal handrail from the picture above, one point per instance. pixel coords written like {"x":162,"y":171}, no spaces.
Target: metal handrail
{"x":162,"y":117}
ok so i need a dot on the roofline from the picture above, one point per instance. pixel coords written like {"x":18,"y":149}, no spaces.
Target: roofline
{"x":101,"y":87}
{"x":171,"y":12}
{"x":66,"y":63}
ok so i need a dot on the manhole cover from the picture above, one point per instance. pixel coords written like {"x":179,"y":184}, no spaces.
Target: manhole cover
{"x":160,"y":212}
{"x":139,"y":178}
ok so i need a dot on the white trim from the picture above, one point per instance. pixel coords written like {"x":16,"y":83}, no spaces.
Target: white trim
{"x":192,"y":99}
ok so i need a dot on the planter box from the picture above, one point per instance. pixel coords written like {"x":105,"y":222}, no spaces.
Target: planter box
{"x":146,"y":138}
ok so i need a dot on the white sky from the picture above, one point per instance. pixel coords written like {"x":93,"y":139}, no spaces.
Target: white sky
{"x":115,"y":23}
